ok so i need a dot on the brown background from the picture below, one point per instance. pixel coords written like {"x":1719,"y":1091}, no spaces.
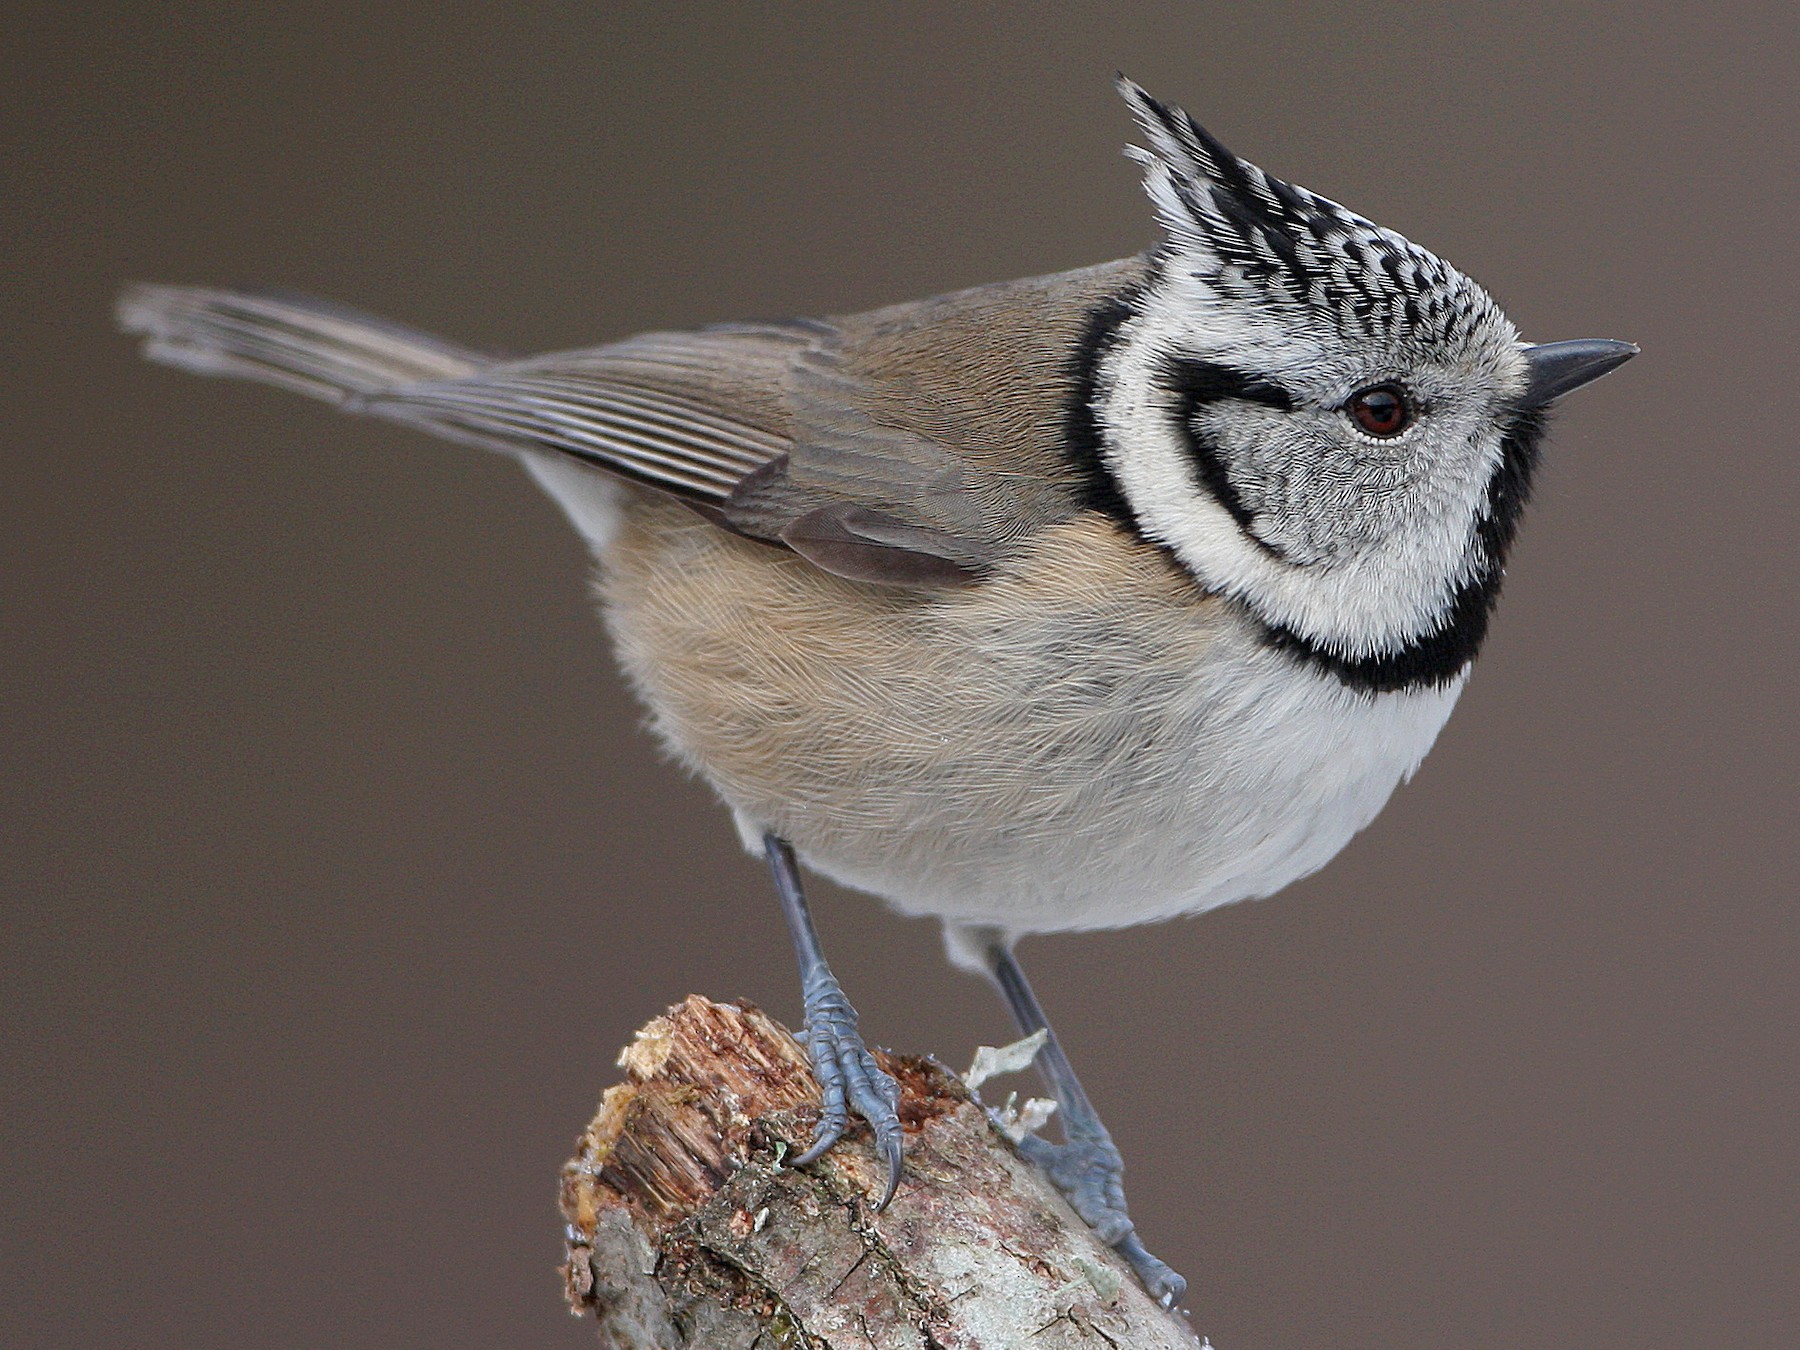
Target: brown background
{"x":336,"y":868}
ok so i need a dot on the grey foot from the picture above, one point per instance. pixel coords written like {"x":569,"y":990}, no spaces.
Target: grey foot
{"x":1090,"y":1174}
{"x":851,"y":1081}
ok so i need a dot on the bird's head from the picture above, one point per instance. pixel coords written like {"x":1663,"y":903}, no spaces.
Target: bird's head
{"x":1319,"y":418}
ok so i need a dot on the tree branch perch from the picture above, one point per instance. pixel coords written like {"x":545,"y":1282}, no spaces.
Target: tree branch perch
{"x":684,"y":1230}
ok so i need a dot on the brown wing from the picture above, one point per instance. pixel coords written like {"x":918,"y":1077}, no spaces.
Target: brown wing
{"x":948,"y":415}
{"x":915,"y":445}
{"x":713,"y":418}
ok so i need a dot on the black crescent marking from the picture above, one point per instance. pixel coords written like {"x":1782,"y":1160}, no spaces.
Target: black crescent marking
{"x":1199,"y":384}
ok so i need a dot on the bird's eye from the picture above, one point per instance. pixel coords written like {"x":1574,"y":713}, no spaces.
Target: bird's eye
{"x":1381,"y":410}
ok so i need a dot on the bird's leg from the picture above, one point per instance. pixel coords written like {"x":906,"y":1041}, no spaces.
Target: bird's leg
{"x":1086,"y":1166}
{"x":848,"y":1076}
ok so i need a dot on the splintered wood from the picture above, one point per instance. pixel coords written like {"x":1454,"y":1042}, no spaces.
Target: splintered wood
{"x":684,"y":1229}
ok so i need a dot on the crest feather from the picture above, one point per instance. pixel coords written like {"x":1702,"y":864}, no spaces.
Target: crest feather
{"x":1260,"y":238}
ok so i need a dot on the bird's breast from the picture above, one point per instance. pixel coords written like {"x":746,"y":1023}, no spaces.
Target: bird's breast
{"x":1082,"y":741}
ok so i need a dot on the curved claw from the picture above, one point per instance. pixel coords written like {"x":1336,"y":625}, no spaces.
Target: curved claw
{"x":831,"y":1127}
{"x":888,"y":1144}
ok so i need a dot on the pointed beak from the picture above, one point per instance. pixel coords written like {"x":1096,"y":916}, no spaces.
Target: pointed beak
{"x":1556,"y":368}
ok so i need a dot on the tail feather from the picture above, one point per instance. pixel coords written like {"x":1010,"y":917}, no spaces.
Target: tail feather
{"x":311,"y":346}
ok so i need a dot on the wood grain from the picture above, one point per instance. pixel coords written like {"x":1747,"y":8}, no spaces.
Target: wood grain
{"x":684,"y":1230}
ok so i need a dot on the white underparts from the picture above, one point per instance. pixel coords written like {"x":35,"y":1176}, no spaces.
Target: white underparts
{"x":1256,"y":777}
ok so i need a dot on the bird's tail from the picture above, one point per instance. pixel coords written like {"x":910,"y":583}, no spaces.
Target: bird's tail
{"x":311,"y":346}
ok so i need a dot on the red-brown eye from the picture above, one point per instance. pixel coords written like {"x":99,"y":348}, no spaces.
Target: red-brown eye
{"x":1381,"y":410}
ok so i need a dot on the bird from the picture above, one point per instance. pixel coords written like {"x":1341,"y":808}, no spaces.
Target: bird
{"x":1059,"y":604}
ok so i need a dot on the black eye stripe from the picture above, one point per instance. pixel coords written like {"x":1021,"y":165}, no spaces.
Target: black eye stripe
{"x":1198,"y":383}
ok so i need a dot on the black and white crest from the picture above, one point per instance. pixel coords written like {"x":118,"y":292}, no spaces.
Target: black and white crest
{"x":1261,"y":238}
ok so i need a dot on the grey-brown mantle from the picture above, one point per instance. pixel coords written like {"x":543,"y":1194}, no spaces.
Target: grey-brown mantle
{"x":685,"y":1230}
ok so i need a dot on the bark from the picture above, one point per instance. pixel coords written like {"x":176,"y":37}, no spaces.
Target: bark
{"x":684,"y":1230}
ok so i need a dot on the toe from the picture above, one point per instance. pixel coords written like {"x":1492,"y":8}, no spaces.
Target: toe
{"x":1091,"y":1178}
{"x":1165,"y":1286}
{"x":875,"y":1096}
{"x":880,"y":1107}
{"x":824,"y":1137}
{"x":834,"y":1103}
{"x":834,"y":1120}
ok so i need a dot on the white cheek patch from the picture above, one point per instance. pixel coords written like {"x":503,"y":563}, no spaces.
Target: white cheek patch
{"x":1369,"y":603}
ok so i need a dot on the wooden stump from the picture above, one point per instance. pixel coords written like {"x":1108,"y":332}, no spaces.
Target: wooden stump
{"x":684,"y":1230}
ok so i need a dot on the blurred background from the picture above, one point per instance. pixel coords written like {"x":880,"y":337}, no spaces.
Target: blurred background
{"x":336,"y":864}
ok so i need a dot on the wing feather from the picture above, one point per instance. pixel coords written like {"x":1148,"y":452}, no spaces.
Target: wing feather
{"x":658,"y":409}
